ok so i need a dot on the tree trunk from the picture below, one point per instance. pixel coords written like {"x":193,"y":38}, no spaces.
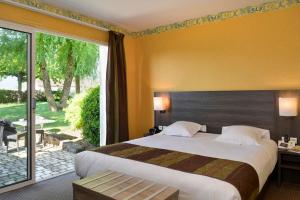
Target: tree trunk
{"x":68,"y":79}
{"x":46,"y":81}
{"x":77,"y":84}
{"x":20,"y":79}
{"x":67,"y":82}
{"x":47,"y":87}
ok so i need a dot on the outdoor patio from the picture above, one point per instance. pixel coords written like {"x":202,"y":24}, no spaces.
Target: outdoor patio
{"x":51,"y":161}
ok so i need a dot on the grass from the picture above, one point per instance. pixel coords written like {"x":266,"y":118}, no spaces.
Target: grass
{"x":15,"y":111}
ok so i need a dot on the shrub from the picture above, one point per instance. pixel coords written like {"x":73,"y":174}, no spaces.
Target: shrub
{"x":90,"y":116}
{"x":11,"y":96}
{"x":40,"y":96}
{"x":57,"y":95}
{"x":73,"y":111}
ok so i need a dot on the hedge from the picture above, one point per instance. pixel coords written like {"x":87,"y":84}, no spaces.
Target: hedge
{"x":90,"y":116}
{"x":11,"y":96}
{"x":40,"y":95}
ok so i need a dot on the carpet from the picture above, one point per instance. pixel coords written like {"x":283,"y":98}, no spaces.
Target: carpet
{"x":59,"y":188}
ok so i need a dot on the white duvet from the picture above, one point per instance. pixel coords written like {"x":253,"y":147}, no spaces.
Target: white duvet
{"x":193,"y":187}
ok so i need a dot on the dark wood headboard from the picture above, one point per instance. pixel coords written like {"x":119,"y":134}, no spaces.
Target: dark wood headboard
{"x":223,"y":108}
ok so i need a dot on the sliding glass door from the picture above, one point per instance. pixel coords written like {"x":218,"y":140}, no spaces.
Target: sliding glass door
{"x":16,"y":108}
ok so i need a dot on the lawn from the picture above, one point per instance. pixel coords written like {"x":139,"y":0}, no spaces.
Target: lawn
{"x":14,"y":112}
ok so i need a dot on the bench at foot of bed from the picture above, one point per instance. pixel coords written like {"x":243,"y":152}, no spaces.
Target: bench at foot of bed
{"x":111,"y":185}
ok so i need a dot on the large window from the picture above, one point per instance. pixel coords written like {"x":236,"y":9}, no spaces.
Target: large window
{"x":49,"y":105}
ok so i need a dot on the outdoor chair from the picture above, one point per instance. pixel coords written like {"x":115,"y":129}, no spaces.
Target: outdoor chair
{"x":16,"y":137}
{"x":5,"y":130}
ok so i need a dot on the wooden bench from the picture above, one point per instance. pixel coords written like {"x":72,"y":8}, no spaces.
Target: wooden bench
{"x":111,"y":185}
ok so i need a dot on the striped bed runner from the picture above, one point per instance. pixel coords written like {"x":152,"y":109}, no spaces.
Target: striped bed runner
{"x":241,"y":175}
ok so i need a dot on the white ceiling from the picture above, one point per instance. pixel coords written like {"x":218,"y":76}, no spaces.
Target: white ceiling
{"x":138,"y":15}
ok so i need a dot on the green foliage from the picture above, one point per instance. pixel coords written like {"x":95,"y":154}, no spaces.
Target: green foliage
{"x":16,"y":111}
{"x":40,"y":95}
{"x":91,"y":116}
{"x":57,"y":95}
{"x":83,"y":113}
{"x":74,"y":110}
{"x":11,"y":96}
{"x":13,"y":54}
{"x":58,"y":59}
{"x":55,"y":50}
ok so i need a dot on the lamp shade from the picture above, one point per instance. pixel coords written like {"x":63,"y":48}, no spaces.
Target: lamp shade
{"x":288,"y":107}
{"x":159,"y":103}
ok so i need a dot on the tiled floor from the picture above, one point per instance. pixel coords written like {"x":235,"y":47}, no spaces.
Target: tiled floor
{"x":50,"y":162}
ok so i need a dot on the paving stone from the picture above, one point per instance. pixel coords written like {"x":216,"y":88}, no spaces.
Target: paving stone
{"x":50,"y":162}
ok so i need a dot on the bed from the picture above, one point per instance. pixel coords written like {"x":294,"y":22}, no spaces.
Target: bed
{"x":262,"y":158}
{"x":215,"y":109}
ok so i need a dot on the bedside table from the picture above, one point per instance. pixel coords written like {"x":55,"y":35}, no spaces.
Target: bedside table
{"x":287,"y":160}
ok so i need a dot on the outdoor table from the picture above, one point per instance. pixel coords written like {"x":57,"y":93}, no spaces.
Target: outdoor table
{"x":38,"y":121}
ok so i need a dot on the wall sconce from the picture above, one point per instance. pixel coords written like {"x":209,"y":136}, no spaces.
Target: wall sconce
{"x":160,"y":104}
{"x":288,"y":107}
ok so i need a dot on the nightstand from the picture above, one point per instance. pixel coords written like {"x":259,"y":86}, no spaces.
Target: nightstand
{"x":287,"y":160}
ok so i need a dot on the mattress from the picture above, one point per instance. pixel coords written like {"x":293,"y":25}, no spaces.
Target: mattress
{"x":193,"y":187}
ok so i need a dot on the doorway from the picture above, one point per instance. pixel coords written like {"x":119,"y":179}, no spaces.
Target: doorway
{"x":40,"y":129}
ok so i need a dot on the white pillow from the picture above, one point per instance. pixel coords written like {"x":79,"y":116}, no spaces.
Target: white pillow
{"x":182,"y":128}
{"x":243,"y":135}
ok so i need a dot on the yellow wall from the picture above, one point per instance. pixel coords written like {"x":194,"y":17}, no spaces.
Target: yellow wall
{"x":139,"y":100}
{"x":260,"y":51}
{"x":131,"y":53}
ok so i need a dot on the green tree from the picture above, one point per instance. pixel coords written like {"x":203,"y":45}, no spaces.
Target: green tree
{"x":13,"y":56}
{"x":60,"y":59}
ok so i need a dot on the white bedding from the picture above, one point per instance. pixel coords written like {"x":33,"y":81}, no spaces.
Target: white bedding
{"x":193,"y":187}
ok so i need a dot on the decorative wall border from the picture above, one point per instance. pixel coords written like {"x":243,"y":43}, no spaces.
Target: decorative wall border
{"x":74,"y":16}
{"x":266,"y":7}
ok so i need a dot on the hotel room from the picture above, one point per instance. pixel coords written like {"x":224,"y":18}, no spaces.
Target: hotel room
{"x":137,"y":99}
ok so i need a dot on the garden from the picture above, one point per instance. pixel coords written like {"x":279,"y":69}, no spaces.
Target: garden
{"x":64,"y":99}
{"x":67,"y":113}
{"x":68,"y":120}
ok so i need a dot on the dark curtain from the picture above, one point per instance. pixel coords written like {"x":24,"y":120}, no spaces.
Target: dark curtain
{"x":116,"y":91}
